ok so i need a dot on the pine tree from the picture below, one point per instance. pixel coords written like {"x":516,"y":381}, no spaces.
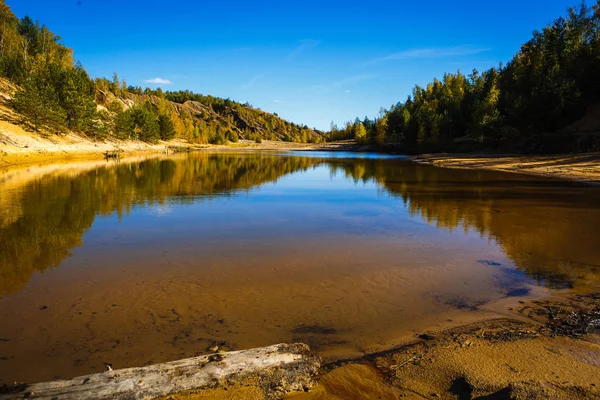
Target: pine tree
{"x":38,"y":100}
{"x":166,"y":127}
{"x":76,"y":97}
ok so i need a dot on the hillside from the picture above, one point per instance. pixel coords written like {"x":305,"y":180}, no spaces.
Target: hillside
{"x":45,"y":92}
{"x":204,"y":119}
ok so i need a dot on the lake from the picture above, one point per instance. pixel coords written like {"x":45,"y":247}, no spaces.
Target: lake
{"x":151,"y":260}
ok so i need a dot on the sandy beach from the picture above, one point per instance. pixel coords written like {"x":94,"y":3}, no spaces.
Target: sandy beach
{"x":577,"y":167}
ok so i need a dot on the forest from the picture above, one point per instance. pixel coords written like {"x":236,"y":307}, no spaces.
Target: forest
{"x":54,"y":94}
{"x":541,"y":101}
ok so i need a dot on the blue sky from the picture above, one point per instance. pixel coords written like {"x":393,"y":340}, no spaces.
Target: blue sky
{"x":310,"y":61}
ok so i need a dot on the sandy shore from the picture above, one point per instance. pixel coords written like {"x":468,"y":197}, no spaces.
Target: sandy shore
{"x":19,"y":148}
{"x":38,"y":150}
{"x":550,"y":349}
{"x":578,"y":167}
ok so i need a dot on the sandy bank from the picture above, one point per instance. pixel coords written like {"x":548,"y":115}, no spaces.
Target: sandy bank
{"x":550,"y":349}
{"x":578,"y":167}
{"x":29,"y":148}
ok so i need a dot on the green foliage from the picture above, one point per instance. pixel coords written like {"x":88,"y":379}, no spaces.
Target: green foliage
{"x":140,"y":123}
{"x":217,"y":138}
{"x":123,"y":125}
{"x":115,"y":107}
{"x":232,"y":136}
{"x":76,"y":98}
{"x":526,"y":105}
{"x":166,"y":127}
{"x":145,"y":124}
{"x":38,"y":99}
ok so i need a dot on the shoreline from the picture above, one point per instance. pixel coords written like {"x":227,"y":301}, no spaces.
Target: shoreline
{"x":23,"y":156}
{"x":582,"y":168}
{"x":549,"y":349}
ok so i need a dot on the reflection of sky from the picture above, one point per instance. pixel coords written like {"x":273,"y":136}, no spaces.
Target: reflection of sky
{"x":160,"y":210}
{"x":307,"y":204}
{"x":345,"y":154}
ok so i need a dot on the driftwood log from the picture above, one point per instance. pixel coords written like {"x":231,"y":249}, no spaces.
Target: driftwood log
{"x":277,"y":369}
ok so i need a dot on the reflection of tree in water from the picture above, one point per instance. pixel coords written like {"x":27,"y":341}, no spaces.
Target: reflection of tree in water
{"x":548,"y":228}
{"x":55,"y":212}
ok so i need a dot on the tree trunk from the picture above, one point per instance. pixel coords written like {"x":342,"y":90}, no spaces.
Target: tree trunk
{"x":279,"y":369}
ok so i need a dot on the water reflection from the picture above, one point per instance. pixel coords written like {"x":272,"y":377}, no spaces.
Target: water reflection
{"x":43,"y":219}
{"x":159,"y":259}
{"x":548,"y":228}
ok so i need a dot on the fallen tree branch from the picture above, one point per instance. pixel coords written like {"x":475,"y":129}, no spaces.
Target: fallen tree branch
{"x":281,"y":369}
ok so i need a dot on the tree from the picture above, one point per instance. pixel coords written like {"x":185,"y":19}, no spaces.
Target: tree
{"x":381,"y":128}
{"x":38,"y":100}
{"x":145,"y":124}
{"x":76,"y":98}
{"x":115,"y":86}
{"x":124,"y":125}
{"x":360,"y":133}
{"x":166,"y":127}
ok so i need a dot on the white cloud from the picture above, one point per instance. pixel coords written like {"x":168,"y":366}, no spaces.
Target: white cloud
{"x":347,"y":91}
{"x":434,"y":52}
{"x":276,"y":101}
{"x":158,"y":81}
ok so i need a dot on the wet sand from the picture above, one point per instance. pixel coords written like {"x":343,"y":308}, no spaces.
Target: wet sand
{"x":577,"y":167}
{"x":549,"y":349}
{"x":553,"y":352}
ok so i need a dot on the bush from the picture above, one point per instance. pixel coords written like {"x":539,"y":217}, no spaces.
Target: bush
{"x":232,"y":136}
{"x":217,"y":139}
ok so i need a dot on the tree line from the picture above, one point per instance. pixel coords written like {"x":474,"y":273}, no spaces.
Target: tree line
{"x":55,"y":94}
{"x":531,"y":104}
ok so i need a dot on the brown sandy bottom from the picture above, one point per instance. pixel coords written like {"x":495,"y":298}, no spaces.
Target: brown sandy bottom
{"x":552,"y":351}
{"x":578,"y":167}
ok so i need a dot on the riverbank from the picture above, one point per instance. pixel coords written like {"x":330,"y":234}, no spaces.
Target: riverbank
{"x":577,"y":167}
{"x":550,"y":349}
{"x":29,"y":148}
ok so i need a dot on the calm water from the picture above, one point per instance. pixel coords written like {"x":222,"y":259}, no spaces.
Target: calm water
{"x":149,"y":261}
